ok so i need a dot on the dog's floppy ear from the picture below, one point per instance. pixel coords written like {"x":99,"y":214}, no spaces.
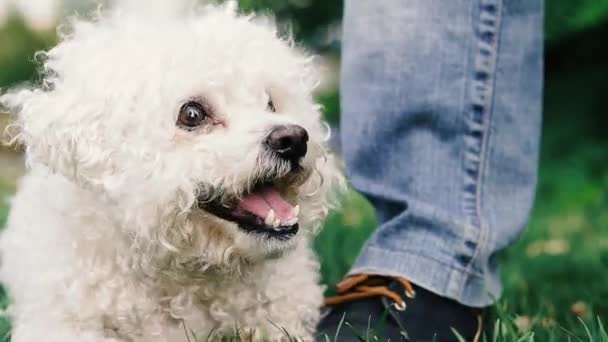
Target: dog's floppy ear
{"x":31,"y":124}
{"x":43,"y":125}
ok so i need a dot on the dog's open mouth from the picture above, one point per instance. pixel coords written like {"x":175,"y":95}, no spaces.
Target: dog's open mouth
{"x":263,"y":211}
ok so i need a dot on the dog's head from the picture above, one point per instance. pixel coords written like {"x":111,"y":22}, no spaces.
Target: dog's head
{"x":197,"y":127}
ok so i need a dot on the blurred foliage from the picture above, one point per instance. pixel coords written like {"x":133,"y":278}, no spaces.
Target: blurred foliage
{"x":566,"y":17}
{"x":18,"y":44}
{"x":331,"y":106}
{"x":309,"y":20}
{"x":310,"y":17}
{"x":315,"y":22}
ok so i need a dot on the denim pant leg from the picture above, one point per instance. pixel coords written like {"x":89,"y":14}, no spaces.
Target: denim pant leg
{"x":440,"y":130}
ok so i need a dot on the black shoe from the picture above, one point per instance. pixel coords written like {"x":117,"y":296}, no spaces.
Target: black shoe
{"x":378,"y":308}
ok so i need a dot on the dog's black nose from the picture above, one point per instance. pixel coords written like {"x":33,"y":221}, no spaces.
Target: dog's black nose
{"x":288,"y":141}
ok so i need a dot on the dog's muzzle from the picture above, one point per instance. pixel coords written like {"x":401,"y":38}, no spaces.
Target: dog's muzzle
{"x":266,"y":209}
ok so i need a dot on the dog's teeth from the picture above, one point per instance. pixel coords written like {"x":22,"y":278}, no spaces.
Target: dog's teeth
{"x":296,"y":210}
{"x":269,"y":221}
{"x":276,"y":223}
{"x":292,"y":221}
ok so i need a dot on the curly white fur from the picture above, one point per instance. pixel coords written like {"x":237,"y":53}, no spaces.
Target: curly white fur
{"x":104,"y":240}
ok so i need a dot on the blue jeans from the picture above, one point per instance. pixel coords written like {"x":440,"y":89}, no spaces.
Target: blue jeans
{"x":441,"y":115}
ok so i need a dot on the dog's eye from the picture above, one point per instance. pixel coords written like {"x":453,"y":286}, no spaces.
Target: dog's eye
{"x":270,"y":105}
{"x":192,"y":114}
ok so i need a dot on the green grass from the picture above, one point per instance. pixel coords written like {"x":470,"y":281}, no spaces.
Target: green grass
{"x":503,"y":331}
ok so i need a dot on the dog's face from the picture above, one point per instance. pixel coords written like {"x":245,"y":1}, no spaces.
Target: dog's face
{"x":199,"y":130}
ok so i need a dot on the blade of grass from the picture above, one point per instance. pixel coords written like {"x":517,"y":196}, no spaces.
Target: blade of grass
{"x":186,"y":331}
{"x":496,"y":330}
{"x":458,"y":336}
{"x":339,"y":327}
{"x":570,"y":334}
{"x":603,"y":333}
{"x":357,"y":334}
{"x":529,"y":337}
{"x":369,"y":323}
{"x":586,"y":329}
{"x":282,"y":329}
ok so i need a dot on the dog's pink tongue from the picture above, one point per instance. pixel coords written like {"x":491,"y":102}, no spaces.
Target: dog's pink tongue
{"x":260,"y":202}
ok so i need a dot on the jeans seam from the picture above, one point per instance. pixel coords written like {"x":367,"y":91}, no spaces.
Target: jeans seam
{"x":479,"y":114}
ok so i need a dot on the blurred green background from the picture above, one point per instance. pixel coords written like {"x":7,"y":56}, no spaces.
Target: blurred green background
{"x":555,"y":276}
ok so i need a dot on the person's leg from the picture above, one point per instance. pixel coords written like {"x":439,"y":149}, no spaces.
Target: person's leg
{"x":441,"y":114}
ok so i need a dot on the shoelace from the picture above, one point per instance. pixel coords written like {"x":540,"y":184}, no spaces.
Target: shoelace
{"x":359,"y":286}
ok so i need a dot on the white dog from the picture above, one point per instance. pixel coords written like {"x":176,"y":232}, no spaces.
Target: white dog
{"x":177,"y":172}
